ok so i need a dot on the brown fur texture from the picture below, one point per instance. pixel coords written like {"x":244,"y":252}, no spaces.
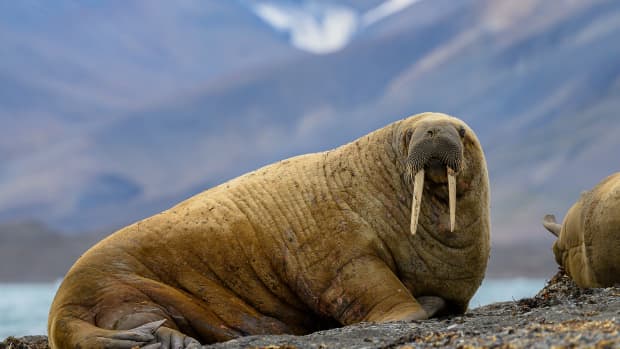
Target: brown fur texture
{"x":311,"y":242}
{"x":588,"y":246}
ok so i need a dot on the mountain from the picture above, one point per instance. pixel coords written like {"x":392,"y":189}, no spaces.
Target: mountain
{"x":71,"y":67}
{"x":32,"y":252}
{"x":106,"y":119}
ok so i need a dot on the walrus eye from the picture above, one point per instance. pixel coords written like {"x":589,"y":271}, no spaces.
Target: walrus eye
{"x":462,"y":131}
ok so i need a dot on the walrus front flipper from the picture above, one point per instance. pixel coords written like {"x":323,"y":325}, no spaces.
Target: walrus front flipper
{"x":366,"y":290}
{"x":551,"y":225}
{"x":432,"y":305}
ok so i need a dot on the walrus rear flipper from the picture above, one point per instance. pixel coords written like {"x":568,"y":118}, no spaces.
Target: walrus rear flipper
{"x":86,"y":335}
{"x":73,"y":332}
{"x":551,"y":225}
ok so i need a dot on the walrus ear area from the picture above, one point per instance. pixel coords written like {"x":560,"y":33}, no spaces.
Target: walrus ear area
{"x":407,"y":139}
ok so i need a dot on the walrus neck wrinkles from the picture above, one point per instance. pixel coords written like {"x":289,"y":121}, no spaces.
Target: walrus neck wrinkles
{"x":365,"y":177}
{"x":373,"y":167}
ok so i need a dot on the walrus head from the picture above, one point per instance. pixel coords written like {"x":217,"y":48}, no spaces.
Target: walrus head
{"x":434,"y":151}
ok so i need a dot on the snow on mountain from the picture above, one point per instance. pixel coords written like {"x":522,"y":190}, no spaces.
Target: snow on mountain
{"x":322,"y":28}
{"x":384,"y":10}
{"x":312,"y":27}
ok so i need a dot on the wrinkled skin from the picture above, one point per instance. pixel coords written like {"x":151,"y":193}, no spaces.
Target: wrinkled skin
{"x":312,"y":242}
{"x":588,"y":244}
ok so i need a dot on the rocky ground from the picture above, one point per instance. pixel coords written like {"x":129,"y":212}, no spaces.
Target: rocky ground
{"x":560,"y":316}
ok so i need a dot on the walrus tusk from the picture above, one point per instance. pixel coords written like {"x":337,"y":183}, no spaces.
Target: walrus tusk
{"x":418,"y":186}
{"x":452,"y":196}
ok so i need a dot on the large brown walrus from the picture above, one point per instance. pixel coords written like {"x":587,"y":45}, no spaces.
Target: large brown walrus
{"x":392,"y":226}
{"x":588,"y":244}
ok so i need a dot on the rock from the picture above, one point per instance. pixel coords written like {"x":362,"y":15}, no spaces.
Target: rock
{"x":27,"y":342}
{"x":560,"y":315}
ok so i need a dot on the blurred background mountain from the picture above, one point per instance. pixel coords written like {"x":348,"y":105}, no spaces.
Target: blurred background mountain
{"x":111,"y":111}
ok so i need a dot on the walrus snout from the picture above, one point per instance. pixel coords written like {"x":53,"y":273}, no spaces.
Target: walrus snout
{"x":433,"y":147}
{"x":438,"y":151}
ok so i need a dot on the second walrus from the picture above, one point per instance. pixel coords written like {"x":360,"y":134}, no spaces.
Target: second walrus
{"x":588,"y":244}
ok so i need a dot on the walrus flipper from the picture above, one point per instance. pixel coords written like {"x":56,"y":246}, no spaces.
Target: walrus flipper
{"x":551,"y":225}
{"x":148,"y":336}
{"x":141,"y":334}
{"x":432,"y":305}
{"x":152,"y":335}
{"x":379,"y":296}
{"x":173,"y":339}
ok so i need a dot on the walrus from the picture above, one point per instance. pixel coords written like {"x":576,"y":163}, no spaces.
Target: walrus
{"x":392,"y":226}
{"x":588,"y":240}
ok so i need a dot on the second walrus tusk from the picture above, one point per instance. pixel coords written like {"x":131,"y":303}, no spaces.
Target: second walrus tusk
{"x":452,"y":196}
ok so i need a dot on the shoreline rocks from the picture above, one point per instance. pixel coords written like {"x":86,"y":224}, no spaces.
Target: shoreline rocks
{"x":560,"y":315}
